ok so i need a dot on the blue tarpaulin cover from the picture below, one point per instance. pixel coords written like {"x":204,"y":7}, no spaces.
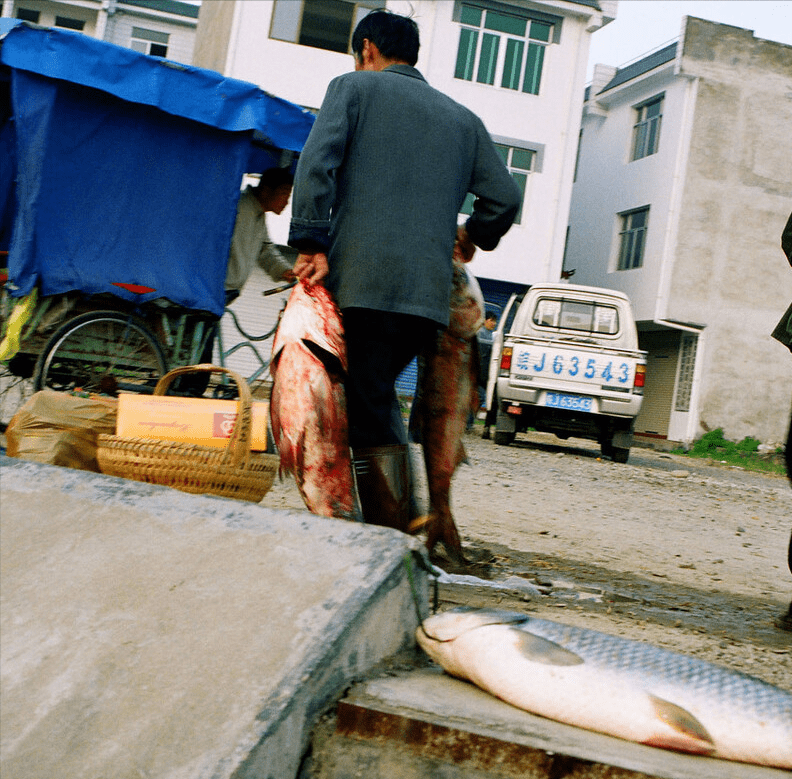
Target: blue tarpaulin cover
{"x":125,"y":167}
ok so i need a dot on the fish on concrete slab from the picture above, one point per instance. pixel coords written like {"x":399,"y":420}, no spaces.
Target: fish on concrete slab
{"x":613,"y":685}
{"x":445,"y":397}
{"x":308,"y":404}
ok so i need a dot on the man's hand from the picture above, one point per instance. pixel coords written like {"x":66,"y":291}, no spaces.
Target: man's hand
{"x":464,"y":248}
{"x":311,"y":267}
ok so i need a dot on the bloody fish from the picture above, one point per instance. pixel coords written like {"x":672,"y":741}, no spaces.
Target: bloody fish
{"x":445,"y":397}
{"x":613,"y":685}
{"x":308,"y":405}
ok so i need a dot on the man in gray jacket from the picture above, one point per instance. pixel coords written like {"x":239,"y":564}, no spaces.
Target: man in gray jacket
{"x":378,"y":190}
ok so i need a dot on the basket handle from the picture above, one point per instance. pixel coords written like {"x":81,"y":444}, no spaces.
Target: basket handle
{"x":239,"y":442}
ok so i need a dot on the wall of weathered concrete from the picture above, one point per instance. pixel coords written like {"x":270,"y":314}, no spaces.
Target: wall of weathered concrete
{"x":145,"y":632}
{"x":729,"y":272}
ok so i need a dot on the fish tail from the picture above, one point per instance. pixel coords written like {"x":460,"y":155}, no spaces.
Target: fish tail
{"x":442,"y":528}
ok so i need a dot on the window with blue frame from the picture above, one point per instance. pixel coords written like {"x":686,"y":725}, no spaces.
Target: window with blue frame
{"x":501,"y":49}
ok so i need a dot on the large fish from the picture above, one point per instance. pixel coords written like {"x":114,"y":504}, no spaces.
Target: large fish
{"x":613,"y":685}
{"x":308,"y":405}
{"x":445,"y":397}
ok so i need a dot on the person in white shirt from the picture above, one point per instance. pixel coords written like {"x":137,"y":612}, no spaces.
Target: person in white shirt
{"x":250,"y":243}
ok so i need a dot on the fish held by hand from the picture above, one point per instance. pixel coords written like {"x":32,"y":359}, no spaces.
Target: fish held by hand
{"x":308,"y":403}
{"x":444,"y":400}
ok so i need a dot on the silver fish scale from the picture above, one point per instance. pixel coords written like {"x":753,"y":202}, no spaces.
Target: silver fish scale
{"x":660,"y":668}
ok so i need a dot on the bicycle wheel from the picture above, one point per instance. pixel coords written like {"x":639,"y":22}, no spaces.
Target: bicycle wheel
{"x":101,"y":351}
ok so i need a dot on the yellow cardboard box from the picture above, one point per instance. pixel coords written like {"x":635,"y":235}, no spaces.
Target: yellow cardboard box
{"x":192,"y":420}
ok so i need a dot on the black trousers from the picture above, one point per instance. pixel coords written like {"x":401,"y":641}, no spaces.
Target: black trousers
{"x":380,"y":345}
{"x":788,"y":458}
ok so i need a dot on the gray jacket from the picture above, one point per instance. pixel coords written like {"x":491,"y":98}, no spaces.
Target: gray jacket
{"x":379,"y":186}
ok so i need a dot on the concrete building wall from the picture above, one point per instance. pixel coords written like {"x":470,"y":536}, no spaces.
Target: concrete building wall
{"x":213,"y":34}
{"x":719,"y":189}
{"x":738,"y":195}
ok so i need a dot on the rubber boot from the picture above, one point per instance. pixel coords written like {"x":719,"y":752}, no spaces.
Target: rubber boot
{"x":382,"y":475}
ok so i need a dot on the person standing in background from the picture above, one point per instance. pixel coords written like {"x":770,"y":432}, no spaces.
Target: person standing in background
{"x":378,"y":190}
{"x":250,"y":242}
{"x":783,"y":333}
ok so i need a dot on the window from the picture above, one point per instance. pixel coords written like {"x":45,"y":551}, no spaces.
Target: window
{"x":633,"y":238}
{"x":149,"y":42}
{"x":497,"y":48}
{"x":68,"y":23}
{"x":324,"y":24}
{"x":687,"y":363}
{"x":26,"y":15}
{"x":646,"y":132}
{"x":519,"y":161}
{"x":582,"y":316}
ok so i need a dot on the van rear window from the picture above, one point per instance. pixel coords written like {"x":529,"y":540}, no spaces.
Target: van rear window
{"x":578,"y":315}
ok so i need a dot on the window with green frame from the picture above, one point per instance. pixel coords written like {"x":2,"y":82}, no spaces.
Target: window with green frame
{"x":501,"y":49}
{"x":632,"y":238}
{"x":646,"y":132}
{"x":323,"y":24}
{"x":519,"y":162}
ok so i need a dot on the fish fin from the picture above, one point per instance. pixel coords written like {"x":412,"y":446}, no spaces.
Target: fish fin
{"x":418,"y":524}
{"x":462,"y":455}
{"x":687,"y":733}
{"x":542,"y":650}
{"x":331,"y":362}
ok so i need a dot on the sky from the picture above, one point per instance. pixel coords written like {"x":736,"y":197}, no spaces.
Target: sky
{"x":642,"y":26}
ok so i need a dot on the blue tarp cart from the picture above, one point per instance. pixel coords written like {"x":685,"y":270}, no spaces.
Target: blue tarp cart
{"x":120,"y":172}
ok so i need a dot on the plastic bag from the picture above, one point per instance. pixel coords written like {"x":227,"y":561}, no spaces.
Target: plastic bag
{"x":61,"y":429}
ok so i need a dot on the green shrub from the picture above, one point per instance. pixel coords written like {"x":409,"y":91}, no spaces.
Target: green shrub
{"x":744,"y":453}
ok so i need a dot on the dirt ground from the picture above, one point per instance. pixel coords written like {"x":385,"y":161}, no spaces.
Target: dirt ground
{"x":677,"y":552}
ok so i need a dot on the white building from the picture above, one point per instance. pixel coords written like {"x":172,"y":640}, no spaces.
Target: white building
{"x":164,"y":28}
{"x":683,"y":186}
{"x":518,"y":64}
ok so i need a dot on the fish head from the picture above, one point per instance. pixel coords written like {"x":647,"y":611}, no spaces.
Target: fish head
{"x":466,"y":315}
{"x":451,"y":624}
{"x":438,"y":635}
{"x":312,"y":318}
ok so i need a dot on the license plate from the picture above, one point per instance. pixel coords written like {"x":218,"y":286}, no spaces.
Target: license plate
{"x":571,"y":402}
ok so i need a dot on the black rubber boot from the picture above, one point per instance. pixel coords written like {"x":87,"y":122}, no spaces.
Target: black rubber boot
{"x":382,"y":475}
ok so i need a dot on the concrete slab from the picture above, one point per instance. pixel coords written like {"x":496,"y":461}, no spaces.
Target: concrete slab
{"x":150,"y":633}
{"x":432,"y":726}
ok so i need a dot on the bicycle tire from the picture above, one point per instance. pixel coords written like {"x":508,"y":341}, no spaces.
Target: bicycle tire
{"x":103,"y":352}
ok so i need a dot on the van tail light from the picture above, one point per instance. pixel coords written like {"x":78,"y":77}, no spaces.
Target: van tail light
{"x":506,"y":359}
{"x":640,"y":379}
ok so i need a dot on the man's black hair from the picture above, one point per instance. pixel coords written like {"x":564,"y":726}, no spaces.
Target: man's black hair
{"x":395,"y":36}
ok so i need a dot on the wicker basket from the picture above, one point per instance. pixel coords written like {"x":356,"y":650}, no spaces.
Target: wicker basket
{"x":233,"y":472}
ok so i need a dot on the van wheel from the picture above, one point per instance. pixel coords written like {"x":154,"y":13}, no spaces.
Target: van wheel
{"x":620,"y":455}
{"x":607,"y":448}
{"x":503,"y":438}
